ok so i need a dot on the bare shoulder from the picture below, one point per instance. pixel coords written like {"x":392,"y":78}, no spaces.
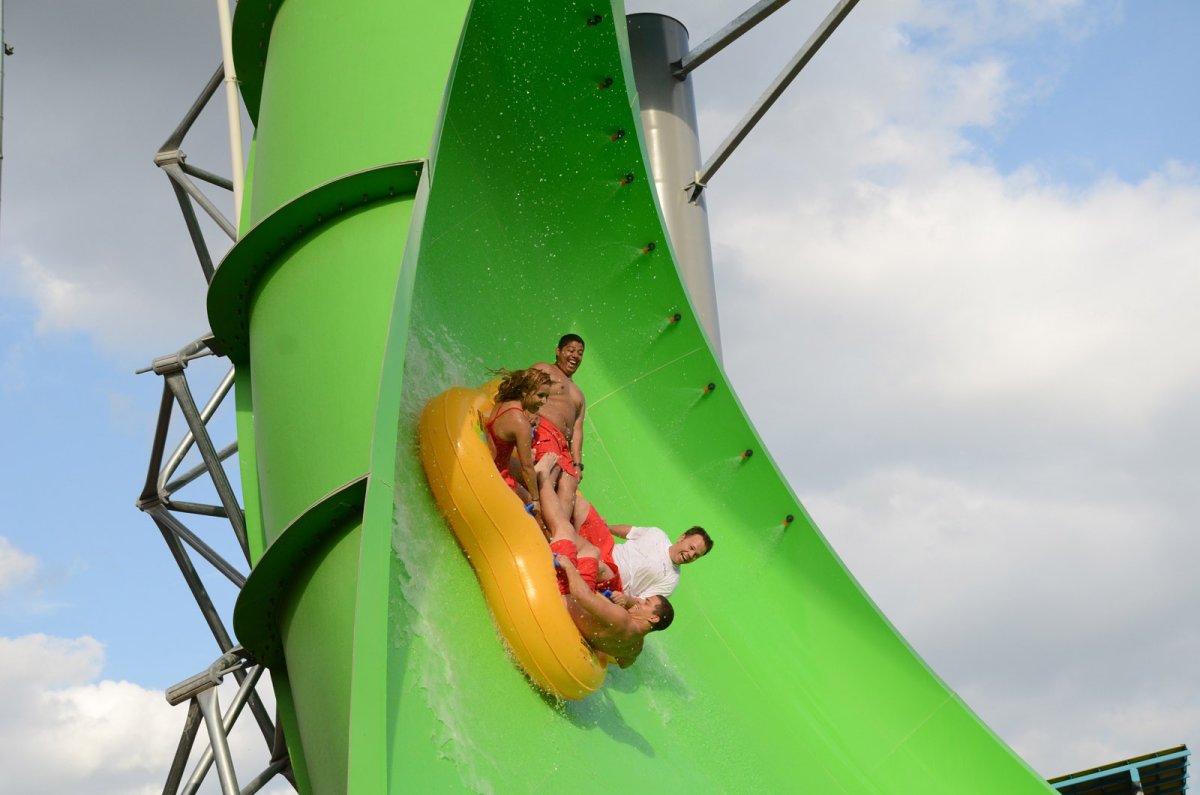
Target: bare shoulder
{"x":545,"y":367}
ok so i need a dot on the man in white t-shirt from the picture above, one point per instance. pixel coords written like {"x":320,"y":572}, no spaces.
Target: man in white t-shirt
{"x":647,"y":564}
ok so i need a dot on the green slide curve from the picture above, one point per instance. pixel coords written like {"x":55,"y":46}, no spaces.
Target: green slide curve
{"x":436,"y":189}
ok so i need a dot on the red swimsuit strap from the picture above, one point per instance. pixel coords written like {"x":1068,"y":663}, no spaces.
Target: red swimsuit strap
{"x":492,"y":422}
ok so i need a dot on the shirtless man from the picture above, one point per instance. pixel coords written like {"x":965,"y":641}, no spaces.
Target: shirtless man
{"x":611,"y":629}
{"x":647,"y":564}
{"x":616,"y":631}
{"x":561,"y":428}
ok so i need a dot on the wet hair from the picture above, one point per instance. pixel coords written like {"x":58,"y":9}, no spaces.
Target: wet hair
{"x":519,"y":383}
{"x":700,"y":531}
{"x":569,"y":338}
{"x":665,"y":612}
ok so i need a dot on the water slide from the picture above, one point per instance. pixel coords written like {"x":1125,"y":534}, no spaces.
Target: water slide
{"x":436,"y":189}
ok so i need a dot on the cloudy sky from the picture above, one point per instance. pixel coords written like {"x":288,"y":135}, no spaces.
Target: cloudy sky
{"x":956,"y":264}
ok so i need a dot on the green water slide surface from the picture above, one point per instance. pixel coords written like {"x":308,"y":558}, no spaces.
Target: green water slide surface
{"x":438,"y":189}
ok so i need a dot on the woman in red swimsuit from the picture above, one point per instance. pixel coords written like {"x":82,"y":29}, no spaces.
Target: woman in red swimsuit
{"x":510,"y":428}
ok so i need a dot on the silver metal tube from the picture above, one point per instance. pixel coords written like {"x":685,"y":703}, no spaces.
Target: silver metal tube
{"x":195,"y":542}
{"x":197,"y":509}
{"x":176,"y":173}
{"x":262,"y":779}
{"x":207,"y":176}
{"x":218,"y":741}
{"x":231,"y":715}
{"x":187,"y":739}
{"x":194,"y":232}
{"x":668,"y":110}
{"x":726,"y":36}
{"x":764,"y":103}
{"x":185,"y":444}
{"x":176,"y":138}
{"x":199,"y":593}
{"x":183,"y":396}
{"x":150,"y":490}
{"x":198,"y":470}
{"x":196,"y":349}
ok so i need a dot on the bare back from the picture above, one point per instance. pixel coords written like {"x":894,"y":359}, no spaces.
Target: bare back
{"x":619,"y":640}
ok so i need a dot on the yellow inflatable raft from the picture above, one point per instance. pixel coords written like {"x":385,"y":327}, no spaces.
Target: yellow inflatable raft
{"x":505,"y":546}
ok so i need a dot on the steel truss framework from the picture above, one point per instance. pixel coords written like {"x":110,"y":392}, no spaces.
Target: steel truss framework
{"x":157,"y":500}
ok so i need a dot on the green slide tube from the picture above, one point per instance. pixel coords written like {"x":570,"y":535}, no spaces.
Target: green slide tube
{"x":438,"y":189}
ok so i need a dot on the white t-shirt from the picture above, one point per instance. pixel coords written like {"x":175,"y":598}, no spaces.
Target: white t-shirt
{"x":644,"y":561}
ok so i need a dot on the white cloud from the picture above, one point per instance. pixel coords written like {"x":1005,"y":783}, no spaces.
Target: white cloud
{"x":16,"y":567}
{"x":122,"y":309}
{"x":1056,"y":620}
{"x":992,"y":375}
{"x":63,"y":731}
{"x":93,"y":238}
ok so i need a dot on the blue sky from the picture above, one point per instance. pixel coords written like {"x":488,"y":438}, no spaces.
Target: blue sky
{"x":83,"y":424}
{"x":1120,"y":103}
{"x":1051,"y":145}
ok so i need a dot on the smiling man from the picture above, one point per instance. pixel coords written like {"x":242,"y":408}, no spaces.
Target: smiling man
{"x":560,"y":430}
{"x":647,"y":564}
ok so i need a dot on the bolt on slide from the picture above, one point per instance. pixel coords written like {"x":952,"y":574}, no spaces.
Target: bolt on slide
{"x":437,"y":190}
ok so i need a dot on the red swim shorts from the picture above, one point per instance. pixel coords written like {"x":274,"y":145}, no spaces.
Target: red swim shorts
{"x":595,"y":529}
{"x":587,"y":567}
{"x":547,"y":438}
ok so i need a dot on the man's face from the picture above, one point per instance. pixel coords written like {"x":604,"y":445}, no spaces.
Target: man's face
{"x":568,"y":357}
{"x":687,"y":549}
{"x":643,"y":607}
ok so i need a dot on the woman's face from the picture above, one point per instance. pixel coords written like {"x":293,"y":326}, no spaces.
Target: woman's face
{"x":534,"y":401}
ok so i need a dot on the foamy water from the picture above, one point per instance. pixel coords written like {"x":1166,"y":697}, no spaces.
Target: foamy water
{"x":451,"y":641}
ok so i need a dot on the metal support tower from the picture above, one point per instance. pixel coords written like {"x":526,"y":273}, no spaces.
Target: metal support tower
{"x":159,"y":501}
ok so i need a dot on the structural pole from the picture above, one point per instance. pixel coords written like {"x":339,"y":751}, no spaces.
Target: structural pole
{"x":673,"y":145}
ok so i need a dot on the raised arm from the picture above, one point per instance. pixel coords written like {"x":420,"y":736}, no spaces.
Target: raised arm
{"x":591,"y":601}
{"x":620,"y":530}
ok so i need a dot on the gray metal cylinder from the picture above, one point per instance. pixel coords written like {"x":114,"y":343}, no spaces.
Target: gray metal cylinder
{"x":673,"y":145}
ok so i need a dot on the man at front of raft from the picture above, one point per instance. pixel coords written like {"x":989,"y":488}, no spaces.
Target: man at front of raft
{"x":560,"y":430}
{"x":611,"y":629}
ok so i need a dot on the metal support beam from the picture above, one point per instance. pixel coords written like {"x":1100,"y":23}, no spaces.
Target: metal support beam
{"x":193,"y":226}
{"x":773,"y":92}
{"x":150,"y":490}
{"x":176,"y":137}
{"x":218,"y":741}
{"x":161,"y":483}
{"x":207,"y":609}
{"x":165,"y":519}
{"x":170,"y":163}
{"x":172,"y":160}
{"x":183,"y":396}
{"x":207,"y":176}
{"x":231,"y":715}
{"x":191,"y":726}
{"x":198,"y":470}
{"x":725,"y":36}
{"x":198,"y":509}
{"x":213,"y":619}
{"x":189,"y":438}
{"x":276,"y":768}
